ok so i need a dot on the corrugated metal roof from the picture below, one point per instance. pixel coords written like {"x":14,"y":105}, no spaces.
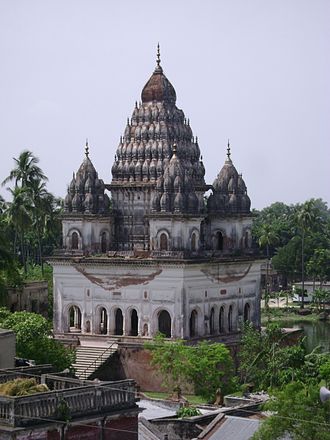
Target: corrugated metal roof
{"x":236,"y":428}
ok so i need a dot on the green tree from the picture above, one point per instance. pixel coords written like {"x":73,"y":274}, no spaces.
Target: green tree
{"x":25,"y":171}
{"x":207,"y":367}
{"x":318,"y":266}
{"x":297,"y":411}
{"x":33,"y":339}
{"x":268,"y":237}
{"x":265,"y":359}
{"x":306,"y":216}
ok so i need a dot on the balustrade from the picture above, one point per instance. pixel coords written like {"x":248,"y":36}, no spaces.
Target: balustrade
{"x":79,"y":400}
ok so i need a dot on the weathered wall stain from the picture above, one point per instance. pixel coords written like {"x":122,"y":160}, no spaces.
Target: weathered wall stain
{"x":214,"y":275}
{"x":115,"y":282}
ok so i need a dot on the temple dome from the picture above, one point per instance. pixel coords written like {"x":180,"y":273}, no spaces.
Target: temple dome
{"x":158,"y":88}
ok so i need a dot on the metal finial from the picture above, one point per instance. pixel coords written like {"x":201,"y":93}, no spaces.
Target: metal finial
{"x":158,"y":55}
{"x":228,"y":150}
{"x":86,"y":148}
{"x":174,"y":149}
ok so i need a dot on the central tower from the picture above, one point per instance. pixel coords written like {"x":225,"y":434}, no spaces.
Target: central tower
{"x":157,"y":170}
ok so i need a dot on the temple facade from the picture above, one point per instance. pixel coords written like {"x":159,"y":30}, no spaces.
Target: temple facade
{"x":149,"y":252}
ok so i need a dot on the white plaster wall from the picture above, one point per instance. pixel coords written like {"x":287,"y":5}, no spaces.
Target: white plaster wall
{"x":176,"y":288}
{"x":233,"y":228}
{"x":179,"y":231}
{"x":89,"y":230}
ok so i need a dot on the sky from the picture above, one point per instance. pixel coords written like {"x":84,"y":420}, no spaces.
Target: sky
{"x":254,"y":71}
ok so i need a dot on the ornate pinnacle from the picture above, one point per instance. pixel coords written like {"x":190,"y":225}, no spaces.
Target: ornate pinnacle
{"x":228,"y":150}
{"x":86,"y":148}
{"x":158,"y":56}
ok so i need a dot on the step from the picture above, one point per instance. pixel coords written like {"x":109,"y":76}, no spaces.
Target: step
{"x":89,"y":359}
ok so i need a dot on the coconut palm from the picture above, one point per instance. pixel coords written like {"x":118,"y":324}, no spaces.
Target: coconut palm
{"x":25,"y":171}
{"x":268,"y":237}
{"x":19,"y":214}
{"x":306,"y":216}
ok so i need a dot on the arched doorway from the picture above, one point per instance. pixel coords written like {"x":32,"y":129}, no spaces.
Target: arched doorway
{"x":119,"y":321}
{"x":74,"y":240}
{"x":74,"y":319}
{"x":134,"y":323}
{"x":221,"y":320}
{"x":164,"y":323}
{"x":193,"y":242}
{"x":247,"y":312}
{"x":103,"y":242}
{"x":219,"y":241}
{"x":163,"y":242}
{"x":230,"y":318}
{"x":212,"y":328}
{"x":193,"y":324}
{"x":246,"y":239}
{"x":103,"y":321}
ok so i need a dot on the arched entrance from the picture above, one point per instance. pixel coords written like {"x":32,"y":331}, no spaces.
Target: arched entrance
{"x":163,"y":242}
{"x":230,"y":318}
{"x":212,"y":328}
{"x":247,"y":311}
{"x":103,"y":321}
{"x":219,"y":241}
{"x":164,"y":323}
{"x":221,"y":320}
{"x":193,"y":242}
{"x":134,"y":323}
{"x":119,"y":321}
{"x":74,"y":240}
{"x":74,"y":319}
{"x":104,"y":242}
{"x":193,"y":324}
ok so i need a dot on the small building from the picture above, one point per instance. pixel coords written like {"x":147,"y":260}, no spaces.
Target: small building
{"x":31,"y":297}
{"x":7,"y":348}
{"x":309,"y":288}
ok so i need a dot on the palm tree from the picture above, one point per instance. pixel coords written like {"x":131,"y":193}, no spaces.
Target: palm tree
{"x":42,"y":203}
{"x":267,"y":237}
{"x":19,"y":214}
{"x":306,"y":215}
{"x":26,"y":170}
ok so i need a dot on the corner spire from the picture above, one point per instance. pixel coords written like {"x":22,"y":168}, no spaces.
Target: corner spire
{"x":87,"y":148}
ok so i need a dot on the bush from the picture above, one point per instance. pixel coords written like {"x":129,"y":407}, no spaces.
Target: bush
{"x":188,"y":411}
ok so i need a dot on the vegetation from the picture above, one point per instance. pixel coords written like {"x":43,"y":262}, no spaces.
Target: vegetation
{"x":296,"y":238}
{"x":297,"y":410}
{"x":22,"y":387}
{"x":188,"y":411}
{"x":207,"y":367}
{"x":33,"y":339}
{"x":31,"y":219}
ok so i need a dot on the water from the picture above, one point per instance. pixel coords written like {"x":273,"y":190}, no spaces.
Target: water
{"x":317,"y":333}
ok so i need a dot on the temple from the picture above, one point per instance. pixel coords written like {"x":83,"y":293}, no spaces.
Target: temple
{"x":150,"y":252}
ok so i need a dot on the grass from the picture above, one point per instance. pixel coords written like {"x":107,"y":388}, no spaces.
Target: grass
{"x":192,"y":399}
{"x":276,"y":314}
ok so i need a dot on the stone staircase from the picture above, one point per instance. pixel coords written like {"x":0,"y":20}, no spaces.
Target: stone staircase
{"x":90,"y":358}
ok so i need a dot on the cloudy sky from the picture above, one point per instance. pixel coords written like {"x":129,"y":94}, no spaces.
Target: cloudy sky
{"x":254,"y":71}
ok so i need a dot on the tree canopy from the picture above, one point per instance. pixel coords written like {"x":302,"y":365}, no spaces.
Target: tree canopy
{"x":206,"y":366}
{"x":296,"y":237}
{"x":33,"y":339}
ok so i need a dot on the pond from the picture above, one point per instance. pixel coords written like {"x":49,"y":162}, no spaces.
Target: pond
{"x":316,"y":332}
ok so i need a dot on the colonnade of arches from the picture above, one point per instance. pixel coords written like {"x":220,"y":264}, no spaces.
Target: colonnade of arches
{"x":116,"y":323}
{"x":221,"y":321}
